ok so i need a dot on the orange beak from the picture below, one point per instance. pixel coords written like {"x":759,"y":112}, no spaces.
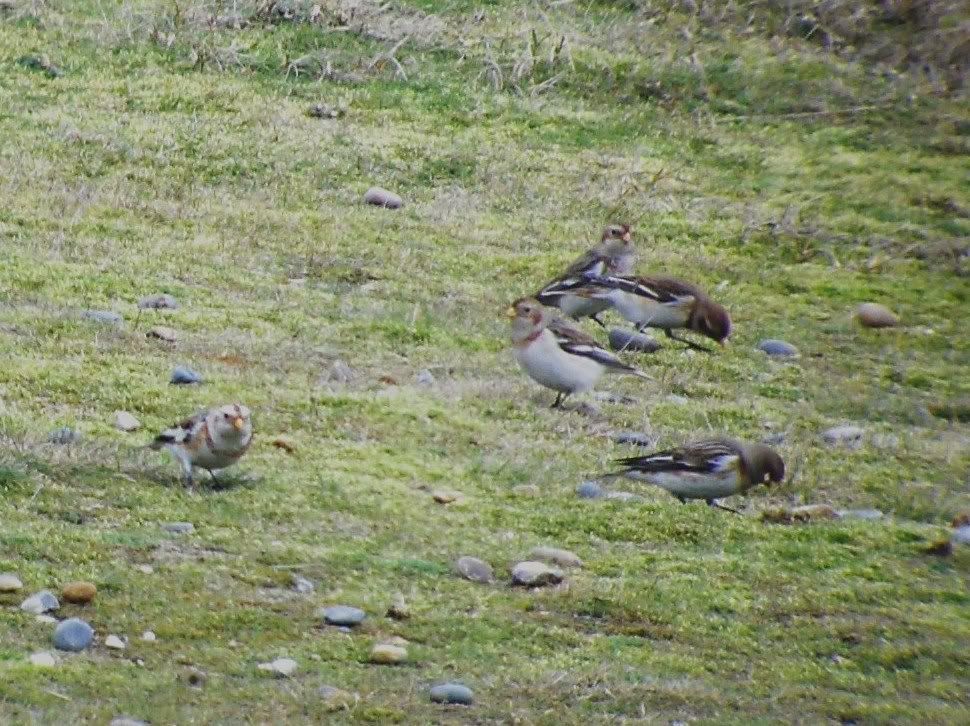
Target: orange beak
{"x":511,"y":312}
{"x":626,"y":237}
{"x":238,"y":423}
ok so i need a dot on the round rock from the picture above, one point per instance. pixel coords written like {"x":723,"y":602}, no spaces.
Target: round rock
{"x":874,"y":315}
{"x":301,"y":584}
{"x":563,"y":558}
{"x":148,"y":636}
{"x":335,"y":699}
{"x":124,"y":421}
{"x":103,"y":316}
{"x":79,"y":593}
{"x":342,"y":615}
{"x":162,"y":301}
{"x":387,"y":654}
{"x":632,"y":437}
{"x":589,"y":490}
{"x":777,"y":348}
{"x":847,"y":435}
{"x":535,"y":574}
{"x":73,"y":634}
{"x":40,"y":603}
{"x":164,"y":333}
{"x":452,"y":693}
{"x":621,"y":340}
{"x":382,"y":198}
{"x":281,"y":667}
{"x":179,"y":527}
{"x":10,"y":582}
{"x":474,"y":569}
{"x":114,"y":642}
{"x":182,"y":376}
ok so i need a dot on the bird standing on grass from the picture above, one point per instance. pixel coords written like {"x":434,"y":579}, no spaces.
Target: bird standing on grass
{"x":662,"y":302}
{"x":614,"y":255}
{"x":210,"y":440}
{"x":557,"y":355}
{"x":707,"y":469}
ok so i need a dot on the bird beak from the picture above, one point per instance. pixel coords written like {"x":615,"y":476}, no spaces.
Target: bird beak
{"x":238,"y":423}
{"x":626,"y":237}
{"x":510,"y":313}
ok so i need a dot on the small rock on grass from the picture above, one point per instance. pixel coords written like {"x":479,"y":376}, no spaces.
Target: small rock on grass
{"x":79,"y":593}
{"x":382,"y":198}
{"x":10,"y":582}
{"x":73,"y":634}
{"x":342,"y":615}
{"x":452,"y":693}
{"x":148,"y":636}
{"x":874,"y":315}
{"x":114,"y":642}
{"x":387,"y":654}
{"x":40,"y":603}
{"x":589,"y":490}
{"x":301,"y":584}
{"x":425,"y":378}
{"x":126,"y":422}
{"x":103,"y":316}
{"x":847,"y":435}
{"x":43,"y":659}
{"x":446,"y":496}
{"x":281,"y":667}
{"x":535,"y":574}
{"x":63,"y":436}
{"x":629,"y":340}
{"x":182,"y":376}
{"x":179,"y":527}
{"x":563,"y":558}
{"x":163,"y":333}
{"x":340,"y":372}
{"x":162,"y":301}
{"x":632,"y":437}
{"x":398,"y":609}
{"x":335,"y":699}
{"x":777,"y":348}
{"x":474,"y":569}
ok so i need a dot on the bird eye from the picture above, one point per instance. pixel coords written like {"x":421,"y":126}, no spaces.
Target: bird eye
{"x":225,"y":416}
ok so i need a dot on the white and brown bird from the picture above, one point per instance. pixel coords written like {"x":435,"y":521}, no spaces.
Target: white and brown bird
{"x":707,"y":469}
{"x":210,"y":440}
{"x":556,"y":354}
{"x":662,"y":302}
{"x":614,"y":255}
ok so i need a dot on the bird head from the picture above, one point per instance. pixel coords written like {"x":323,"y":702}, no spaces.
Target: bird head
{"x":528,"y":318}
{"x":713,"y":321}
{"x":232,"y":420}
{"x":764,"y":464}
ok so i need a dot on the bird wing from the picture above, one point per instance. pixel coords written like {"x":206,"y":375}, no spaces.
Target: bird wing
{"x":180,"y":432}
{"x":706,"y":456}
{"x":575,"y":342}
{"x":663,"y":290}
{"x":579,"y":274}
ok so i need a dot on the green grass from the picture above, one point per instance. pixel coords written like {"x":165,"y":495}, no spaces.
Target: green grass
{"x":187,"y":164}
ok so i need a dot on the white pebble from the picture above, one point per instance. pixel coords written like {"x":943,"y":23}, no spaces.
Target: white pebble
{"x":113,"y":641}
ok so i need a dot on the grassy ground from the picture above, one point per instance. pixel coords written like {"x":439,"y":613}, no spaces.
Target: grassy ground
{"x":151,"y":147}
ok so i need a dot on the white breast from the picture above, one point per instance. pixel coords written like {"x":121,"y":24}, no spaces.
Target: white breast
{"x":550,"y":366}
{"x":643,"y":311}
{"x":692,"y":486}
{"x":581,"y":307}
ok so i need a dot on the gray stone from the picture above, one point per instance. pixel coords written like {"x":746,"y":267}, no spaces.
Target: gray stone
{"x":10,"y":582}
{"x":632,"y":341}
{"x":163,"y":332}
{"x":124,"y":421}
{"x":178,"y":527}
{"x":535,"y":574}
{"x":777,"y":348}
{"x":43,"y":659}
{"x":398,"y":609}
{"x":301,"y":584}
{"x":589,"y":490}
{"x":847,"y":435}
{"x":40,"y":603}
{"x":474,"y":569}
{"x":340,"y":372}
{"x":864,"y":514}
{"x":281,"y":667}
{"x":73,"y":634}
{"x":452,"y":693}
{"x":342,"y":615}
{"x":162,"y":301}
{"x":182,"y":376}
{"x":114,"y":642}
{"x":383,"y":198}
{"x":63,"y":436}
{"x":388,"y":654}
{"x":425,"y":378}
{"x":334,"y":698}
{"x":149,"y":637}
{"x":103,"y":316}
{"x":632,"y":437}
{"x":961,"y":535}
{"x":563,"y":558}
{"x":625,"y":497}
{"x":874,"y":315}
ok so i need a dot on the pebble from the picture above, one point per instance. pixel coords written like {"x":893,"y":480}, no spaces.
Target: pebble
{"x":73,"y":634}
{"x":777,"y":348}
{"x":848,"y":435}
{"x":63,"y":436}
{"x":632,"y":437}
{"x":625,"y":497}
{"x":340,"y":372}
{"x":43,"y":659}
{"x":630,"y":340}
{"x":127,"y":721}
{"x":398,"y":608}
{"x":281,"y":667}
{"x":452,"y":693}
{"x":961,"y":535}
{"x":425,"y":378}
{"x":474,"y":569}
{"x":145,"y":569}
{"x":124,"y":421}
{"x":589,"y":490}
{"x":284,"y":442}
{"x":79,"y":593}
{"x":114,"y":642}
{"x":535,"y":574}
{"x":445,"y":496}
{"x":10,"y":582}
{"x":342,"y":615}
{"x":387,"y":654}
{"x":382,"y":198}
{"x":162,"y":332}
{"x":40,"y":603}
{"x":301,"y":584}
{"x":868,"y":515}
{"x":162,"y":301}
{"x":335,"y":699}
{"x":149,"y":637}
{"x":563,"y":558}
{"x":103,"y":316}
{"x":874,"y":315}
{"x":179,"y":527}
{"x":183,"y":376}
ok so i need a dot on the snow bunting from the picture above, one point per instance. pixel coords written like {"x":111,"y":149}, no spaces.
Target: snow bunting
{"x":614,"y":255}
{"x":210,"y":440}
{"x":557,"y":355}
{"x":662,"y":302}
{"x":707,"y":469}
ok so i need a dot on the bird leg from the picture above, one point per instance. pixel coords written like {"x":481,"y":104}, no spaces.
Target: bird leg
{"x":712,"y":503}
{"x":688,"y":343}
{"x":213,"y":475}
{"x":560,"y":398}
{"x":596,"y":319}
